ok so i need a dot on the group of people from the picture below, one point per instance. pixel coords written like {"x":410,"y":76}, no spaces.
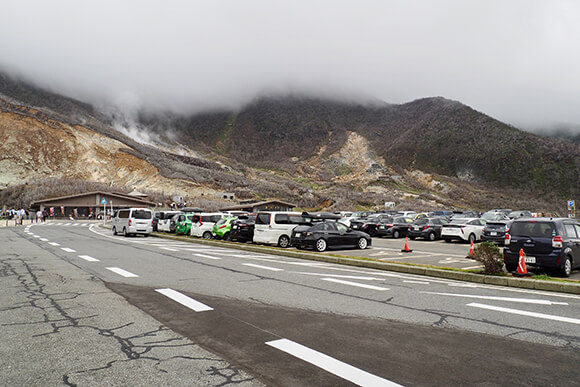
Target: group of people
{"x":19,"y":215}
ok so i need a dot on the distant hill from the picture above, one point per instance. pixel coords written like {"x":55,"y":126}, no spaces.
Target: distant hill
{"x":321,"y":154}
{"x":434,"y":135}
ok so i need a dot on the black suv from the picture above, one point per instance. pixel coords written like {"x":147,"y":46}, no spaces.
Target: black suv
{"x":551,"y":243}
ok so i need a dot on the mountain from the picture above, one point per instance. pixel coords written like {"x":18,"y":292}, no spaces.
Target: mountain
{"x":428,"y":153}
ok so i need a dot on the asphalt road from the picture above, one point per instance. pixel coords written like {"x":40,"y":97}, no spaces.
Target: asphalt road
{"x":290,"y":322}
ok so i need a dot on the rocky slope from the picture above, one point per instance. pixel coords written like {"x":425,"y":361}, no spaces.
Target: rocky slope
{"x":430,"y":153}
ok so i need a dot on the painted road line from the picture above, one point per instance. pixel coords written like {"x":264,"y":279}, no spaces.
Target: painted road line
{"x":354,"y":284}
{"x":88,"y":258}
{"x":168,"y":249}
{"x":526,"y":313}
{"x":75,"y":224}
{"x":507,"y":299}
{"x":68,"y":250}
{"x":463,"y":285}
{"x":44,"y":239}
{"x":54,"y":244}
{"x":206,"y":256}
{"x":416,"y":282}
{"x":338,"y":276}
{"x":122,"y":272}
{"x":262,"y":267}
{"x":36,"y":236}
{"x":329,"y":364}
{"x":472,"y":267}
{"x":184,"y":300}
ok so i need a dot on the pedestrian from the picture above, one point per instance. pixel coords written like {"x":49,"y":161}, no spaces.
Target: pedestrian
{"x":39,"y":215}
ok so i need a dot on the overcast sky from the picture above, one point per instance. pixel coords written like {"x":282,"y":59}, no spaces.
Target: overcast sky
{"x":516,"y":60}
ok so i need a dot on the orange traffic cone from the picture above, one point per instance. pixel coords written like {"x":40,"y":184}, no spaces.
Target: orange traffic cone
{"x":522,"y":270}
{"x":470,"y":254}
{"x":406,"y":249}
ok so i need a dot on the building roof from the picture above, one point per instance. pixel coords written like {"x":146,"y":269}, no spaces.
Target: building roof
{"x":257,"y":204}
{"x":102,"y":193}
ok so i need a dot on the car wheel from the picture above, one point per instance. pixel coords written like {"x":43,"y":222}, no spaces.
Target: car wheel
{"x":283,"y":241}
{"x":396,"y":234}
{"x":114,"y":230}
{"x":226,"y":236}
{"x":206,"y":235}
{"x":372,"y":232}
{"x":511,"y":267}
{"x":125,"y":233}
{"x":472,"y":238}
{"x":362,"y":243}
{"x":447,"y":240}
{"x":320,"y":245}
{"x":567,"y":268}
{"x":431,"y":236}
{"x":412,"y":238}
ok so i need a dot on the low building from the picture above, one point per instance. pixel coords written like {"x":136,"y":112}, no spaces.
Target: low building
{"x":89,"y":204}
{"x":271,"y":205}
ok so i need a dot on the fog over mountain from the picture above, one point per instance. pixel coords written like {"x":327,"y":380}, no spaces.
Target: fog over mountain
{"x":514,"y":61}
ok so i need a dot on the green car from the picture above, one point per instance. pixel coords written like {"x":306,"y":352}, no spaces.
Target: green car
{"x":183,"y":225}
{"x":221,"y":230}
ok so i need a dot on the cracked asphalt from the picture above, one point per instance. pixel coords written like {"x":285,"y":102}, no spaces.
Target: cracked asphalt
{"x":62,"y":326}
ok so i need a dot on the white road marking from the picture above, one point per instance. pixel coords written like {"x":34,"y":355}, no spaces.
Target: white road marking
{"x":75,"y":224}
{"x":44,"y":239}
{"x":36,"y":236}
{"x":66,"y":224}
{"x":463,"y":285}
{"x":332,"y":365}
{"x":472,"y":267}
{"x":184,"y":300}
{"x":339,"y":276}
{"x":354,"y":284}
{"x":68,"y":250}
{"x":168,"y":249}
{"x":88,"y":258}
{"x":416,"y":282}
{"x":206,"y":256}
{"x":262,"y":267}
{"x":526,"y":313}
{"x":507,"y":299}
{"x":122,"y":272}
{"x":54,"y":244}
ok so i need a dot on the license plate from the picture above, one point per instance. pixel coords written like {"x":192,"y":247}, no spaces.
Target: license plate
{"x":530,"y":259}
{"x":355,"y":226}
{"x":493,"y":233}
{"x":417,"y":228}
{"x":381,"y":227}
{"x":297,"y":235}
{"x":234,"y":226}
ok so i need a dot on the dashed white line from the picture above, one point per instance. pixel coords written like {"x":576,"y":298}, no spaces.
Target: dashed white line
{"x":262,"y":267}
{"x":88,"y":258}
{"x":68,"y":250}
{"x":43,"y":239}
{"x":168,"y":249}
{"x":206,"y":256}
{"x":526,"y":313}
{"x":507,"y":299}
{"x":416,"y":282}
{"x":354,"y":284}
{"x":122,"y":272}
{"x":332,"y":365}
{"x":184,"y":300}
{"x":54,"y":244}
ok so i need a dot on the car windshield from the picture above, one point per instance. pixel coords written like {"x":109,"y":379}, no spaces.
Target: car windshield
{"x":493,"y":216}
{"x":221,"y":221}
{"x":421,"y":221}
{"x":458,"y":221}
{"x":533,"y":229}
{"x":141,"y":214}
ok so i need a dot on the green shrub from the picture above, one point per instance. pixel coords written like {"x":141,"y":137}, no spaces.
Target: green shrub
{"x":489,"y":255}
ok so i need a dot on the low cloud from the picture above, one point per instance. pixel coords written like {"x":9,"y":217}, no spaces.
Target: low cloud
{"x":512,"y":60}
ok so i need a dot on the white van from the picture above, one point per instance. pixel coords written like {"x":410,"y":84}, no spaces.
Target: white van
{"x":133,"y":221}
{"x":275,"y":228}
{"x":202,"y":224}
{"x":165,"y":220}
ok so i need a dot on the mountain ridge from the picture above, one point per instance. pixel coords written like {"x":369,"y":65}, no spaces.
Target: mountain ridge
{"x":307,"y":150}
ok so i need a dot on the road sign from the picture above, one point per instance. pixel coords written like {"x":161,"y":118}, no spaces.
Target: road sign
{"x":103,"y":201}
{"x":571,"y":204}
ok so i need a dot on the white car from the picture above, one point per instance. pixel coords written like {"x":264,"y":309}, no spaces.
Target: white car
{"x":133,"y":221}
{"x":202,"y":224}
{"x":275,"y":228}
{"x":165,"y":220}
{"x":466,"y":229}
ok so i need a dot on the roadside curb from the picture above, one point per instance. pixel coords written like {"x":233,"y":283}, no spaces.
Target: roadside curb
{"x":514,"y":282}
